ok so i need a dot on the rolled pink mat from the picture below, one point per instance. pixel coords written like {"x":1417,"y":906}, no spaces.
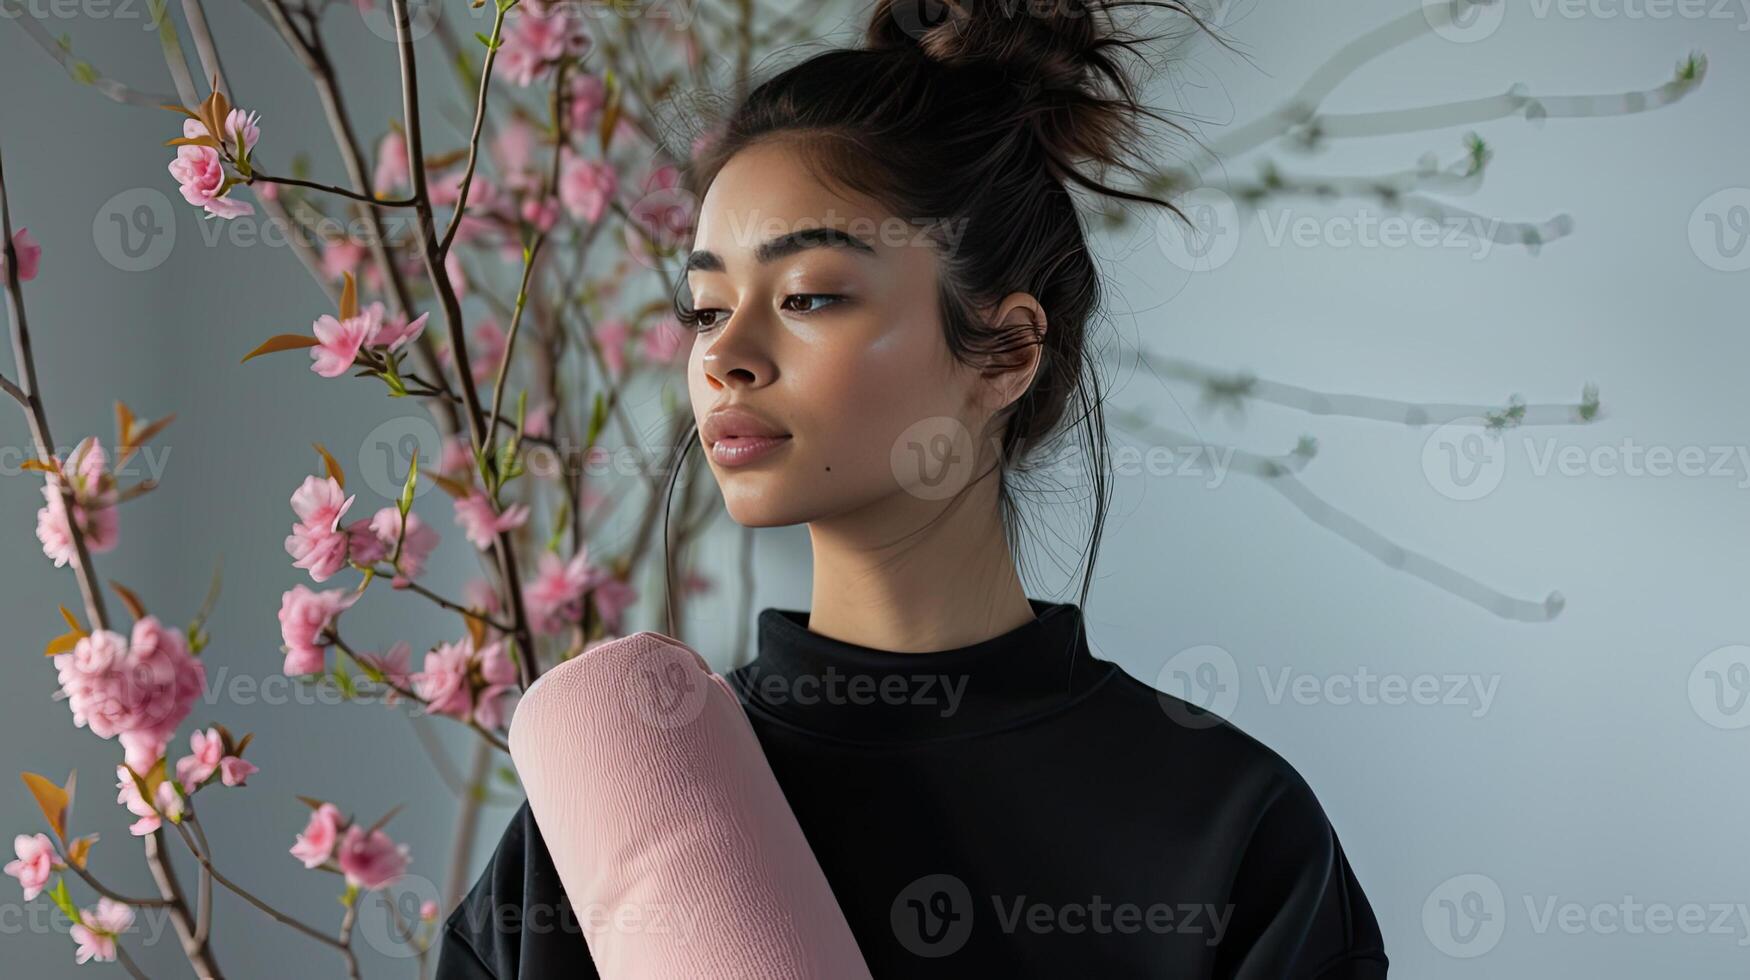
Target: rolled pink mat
{"x":672,"y":839}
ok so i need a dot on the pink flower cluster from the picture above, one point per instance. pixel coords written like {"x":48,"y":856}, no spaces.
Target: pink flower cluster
{"x":338,"y":342}
{"x":467,"y":684}
{"x":369,"y":859}
{"x":94,"y":506}
{"x":535,"y":38}
{"x":209,"y":756}
{"x":321,"y":546}
{"x":166,"y":802}
{"x":585,"y":186}
{"x":554,"y":598}
{"x":480,"y":523}
{"x":200,"y":170}
{"x":36,"y":864}
{"x":97,"y":929}
{"x":137,"y":688}
{"x":305,"y":617}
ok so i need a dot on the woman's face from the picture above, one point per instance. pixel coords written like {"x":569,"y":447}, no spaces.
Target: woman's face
{"x":834,"y":338}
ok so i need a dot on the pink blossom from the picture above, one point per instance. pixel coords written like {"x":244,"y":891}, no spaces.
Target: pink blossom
{"x":98,"y":928}
{"x":234,"y":769}
{"x":168,"y":801}
{"x":194,"y":769}
{"x":588,"y":96}
{"x":664,"y":342}
{"x":417,"y":543}
{"x":200,"y":173}
{"x":36,"y":863}
{"x":340,"y":257}
{"x":363,"y":545}
{"x":94,"y":505}
{"x":317,"y":542}
{"x":585,"y":186}
{"x":395,"y":665}
{"x":392,"y":170}
{"x":371,"y":860}
{"x":475,"y":515}
{"x":338,"y":341}
{"x":209,"y":757}
{"x":136,"y":692}
{"x":462,"y":683}
{"x":304,"y":616}
{"x":514,"y":147}
{"x":394,"y":332}
{"x":612,"y":598}
{"x":428,"y":910}
{"x":534,"y":39}
{"x":29,"y":255}
{"x":611,"y":334}
{"x":317,"y":841}
{"x":238,"y":120}
{"x":554,"y":598}
{"x":444,"y":684}
{"x":542,"y":214}
{"x":664,"y":209}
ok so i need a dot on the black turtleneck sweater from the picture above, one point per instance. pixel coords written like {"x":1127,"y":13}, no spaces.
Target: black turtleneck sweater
{"x":1017,"y":807}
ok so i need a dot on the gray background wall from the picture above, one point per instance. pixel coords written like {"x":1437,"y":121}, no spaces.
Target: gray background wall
{"x":1600,"y":773}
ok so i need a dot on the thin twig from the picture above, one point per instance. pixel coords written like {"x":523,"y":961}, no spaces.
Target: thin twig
{"x":331,"y":189}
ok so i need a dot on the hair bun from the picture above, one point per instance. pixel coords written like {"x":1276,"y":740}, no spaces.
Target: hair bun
{"x":1041,"y":45}
{"x":1075,"y":70}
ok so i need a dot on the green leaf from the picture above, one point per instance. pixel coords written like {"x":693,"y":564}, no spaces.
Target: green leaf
{"x":63,"y":900}
{"x":83,"y":73}
{"x":343,"y":680}
{"x":598,"y":417}
{"x":508,"y":775}
{"x":485,"y":40}
{"x":406,"y":501}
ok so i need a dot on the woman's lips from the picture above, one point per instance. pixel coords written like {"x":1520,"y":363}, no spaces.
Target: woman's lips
{"x":742,"y":450}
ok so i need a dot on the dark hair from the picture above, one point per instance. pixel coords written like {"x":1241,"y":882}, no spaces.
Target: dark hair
{"x":981,"y":114}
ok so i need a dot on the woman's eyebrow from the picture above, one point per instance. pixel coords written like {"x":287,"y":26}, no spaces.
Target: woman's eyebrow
{"x":774,"y":249}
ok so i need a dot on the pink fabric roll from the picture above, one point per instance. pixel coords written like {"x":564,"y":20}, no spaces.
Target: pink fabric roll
{"x":672,"y":838}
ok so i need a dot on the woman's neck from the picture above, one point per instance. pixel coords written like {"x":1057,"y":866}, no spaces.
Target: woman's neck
{"x":883,"y":580}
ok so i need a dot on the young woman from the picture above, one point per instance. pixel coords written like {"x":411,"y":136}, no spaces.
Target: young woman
{"x":892,"y":292}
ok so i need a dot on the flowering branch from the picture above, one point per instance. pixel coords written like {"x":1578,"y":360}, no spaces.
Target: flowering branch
{"x":482,"y":437}
{"x":488,"y":735}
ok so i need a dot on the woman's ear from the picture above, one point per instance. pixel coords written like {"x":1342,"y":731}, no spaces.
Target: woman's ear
{"x":1020,"y":317}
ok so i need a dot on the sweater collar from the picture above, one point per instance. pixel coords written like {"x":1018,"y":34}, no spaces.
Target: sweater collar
{"x":863,"y":694}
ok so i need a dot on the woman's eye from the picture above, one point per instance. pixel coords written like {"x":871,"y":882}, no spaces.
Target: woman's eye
{"x":830,"y":297}
{"x":707,"y":318}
